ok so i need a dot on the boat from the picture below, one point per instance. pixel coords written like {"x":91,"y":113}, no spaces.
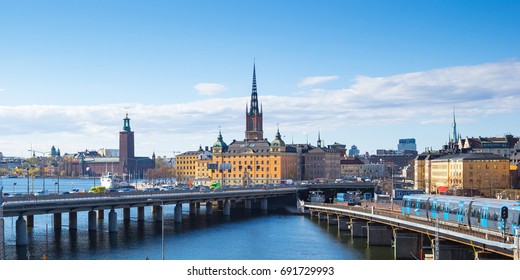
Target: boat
{"x":113,"y":181}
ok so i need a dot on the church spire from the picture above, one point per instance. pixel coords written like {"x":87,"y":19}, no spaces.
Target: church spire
{"x":254,"y":95}
{"x":454,"y":132}
{"x":254,"y":122}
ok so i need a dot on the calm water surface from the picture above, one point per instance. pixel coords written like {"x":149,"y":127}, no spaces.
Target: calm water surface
{"x":252,"y":235}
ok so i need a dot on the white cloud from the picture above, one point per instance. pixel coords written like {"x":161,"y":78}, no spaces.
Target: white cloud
{"x":209,"y":89}
{"x":311,"y":81}
{"x":422,"y":99}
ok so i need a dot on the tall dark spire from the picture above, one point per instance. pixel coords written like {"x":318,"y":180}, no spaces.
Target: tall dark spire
{"x":254,"y":121}
{"x":454,"y":132}
{"x":254,"y":95}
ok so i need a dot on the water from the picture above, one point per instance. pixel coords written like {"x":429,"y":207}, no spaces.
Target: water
{"x":253,"y":235}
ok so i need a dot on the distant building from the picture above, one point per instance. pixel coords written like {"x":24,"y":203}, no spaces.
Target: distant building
{"x":352,"y":167}
{"x":504,"y":146}
{"x":353,"y":151}
{"x":407,"y":145}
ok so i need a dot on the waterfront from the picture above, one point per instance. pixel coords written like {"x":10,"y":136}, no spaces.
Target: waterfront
{"x":242,"y":236}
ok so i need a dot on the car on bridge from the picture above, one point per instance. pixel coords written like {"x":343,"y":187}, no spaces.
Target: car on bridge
{"x":42,"y":192}
{"x":98,"y":189}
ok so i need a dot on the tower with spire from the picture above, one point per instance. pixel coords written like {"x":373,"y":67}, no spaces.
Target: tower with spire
{"x":254,"y":122}
{"x":454,"y":138}
{"x":126,"y":147}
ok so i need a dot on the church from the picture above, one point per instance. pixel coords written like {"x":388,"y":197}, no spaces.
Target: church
{"x":253,"y":161}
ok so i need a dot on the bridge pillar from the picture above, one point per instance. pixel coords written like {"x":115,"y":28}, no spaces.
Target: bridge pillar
{"x":209,"y":208}
{"x":92,"y":220}
{"x":455,"y":251}
{"x":112,"y":220}
{"x":227,"y":208}
{"x":154,"y":209}
{"x":21,"y":232}
{"x":193,"y":208}
{"x":322,"y":216}
{"x":379,"y":235}
{"x":178,"y":213}
{"x":101,"y":214}
{"x":126,"y":214}
{"x":332,"y":219}
{"x":73,"y":220}
{"x":247,"y":204}
{"x":220,"y":204}
{"x":263,"y":204}
{"x":343,"y":223}
{"x":358,"y":228}
{"x":158,"y":213}
{"x":140,"y":213}
{"x":197,"y":205}
{"x":407,"y":245}
{"x":30,"y":221}
{"x":57,"y":220}
{"x":313,"y":213}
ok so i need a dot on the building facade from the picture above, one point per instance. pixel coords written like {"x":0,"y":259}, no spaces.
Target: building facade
{"x":464,"y":174}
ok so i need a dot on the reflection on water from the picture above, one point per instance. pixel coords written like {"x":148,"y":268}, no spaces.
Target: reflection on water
{"x":246,"y":235}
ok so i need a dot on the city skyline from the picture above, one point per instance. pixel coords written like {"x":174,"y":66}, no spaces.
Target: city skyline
{"x":360,"y":73}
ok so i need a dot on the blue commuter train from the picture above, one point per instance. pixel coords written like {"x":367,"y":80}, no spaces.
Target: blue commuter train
{"x":479,"y":214}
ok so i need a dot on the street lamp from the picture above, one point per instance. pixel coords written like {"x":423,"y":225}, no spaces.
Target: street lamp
{"x":2,"y":243}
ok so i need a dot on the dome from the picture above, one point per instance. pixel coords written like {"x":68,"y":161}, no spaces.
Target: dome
{"x":278,"y":142}
{"x":220,"y":143}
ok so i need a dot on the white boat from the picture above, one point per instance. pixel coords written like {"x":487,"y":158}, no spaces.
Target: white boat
{"x":113,"y":181}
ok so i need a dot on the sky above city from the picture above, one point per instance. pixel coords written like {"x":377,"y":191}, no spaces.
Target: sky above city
{"x":364,"y":73}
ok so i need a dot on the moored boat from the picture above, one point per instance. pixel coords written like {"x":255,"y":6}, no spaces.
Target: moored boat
{"x":113,"y":181}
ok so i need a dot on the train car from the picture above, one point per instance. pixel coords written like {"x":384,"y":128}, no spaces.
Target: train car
{"x":417,"y":205}
{"x":486,"y":216}
{"x":480,"y":214}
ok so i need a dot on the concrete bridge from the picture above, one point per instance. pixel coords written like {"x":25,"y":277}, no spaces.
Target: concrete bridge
{"x":384,"y":225}
{"x":26,"y":207}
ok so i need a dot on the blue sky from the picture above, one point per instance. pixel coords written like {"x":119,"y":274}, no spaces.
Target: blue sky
{"x":362,"y":73}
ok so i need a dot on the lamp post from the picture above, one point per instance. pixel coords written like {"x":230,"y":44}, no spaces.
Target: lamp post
{"x":2,"y":245}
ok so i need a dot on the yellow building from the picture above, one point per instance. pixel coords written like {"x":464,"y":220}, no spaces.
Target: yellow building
{"x":187,"y":164}
{"x":352,"y":167}
{"x":253,"y":162}
{"x":192,"y":167}
{"x":474,"y":173}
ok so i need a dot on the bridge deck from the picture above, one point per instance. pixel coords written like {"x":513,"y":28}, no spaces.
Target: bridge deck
{"x":383,"y":213}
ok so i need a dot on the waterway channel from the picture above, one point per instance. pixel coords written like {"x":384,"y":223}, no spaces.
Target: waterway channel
{"x":245,"y":235}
